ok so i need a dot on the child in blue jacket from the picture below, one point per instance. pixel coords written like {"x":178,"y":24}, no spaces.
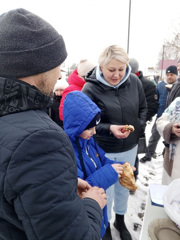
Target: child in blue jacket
{"x":81,"y":115}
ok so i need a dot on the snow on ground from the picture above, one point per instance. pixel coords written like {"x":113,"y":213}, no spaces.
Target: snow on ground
{"x":149,"y":172}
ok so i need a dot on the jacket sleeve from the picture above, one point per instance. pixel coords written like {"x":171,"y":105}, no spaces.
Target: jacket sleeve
{"x":142,"y":107}
{"x":152,"y":101}
{"x":164,"y":127}
{"x":43,"y":178}
{"x":103,"y":177}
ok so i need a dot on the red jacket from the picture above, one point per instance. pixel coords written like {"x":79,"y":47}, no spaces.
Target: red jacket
{"x":75,"y":83}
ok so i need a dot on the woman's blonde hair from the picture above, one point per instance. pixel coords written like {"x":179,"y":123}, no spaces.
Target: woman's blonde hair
{"x":113,"y":52}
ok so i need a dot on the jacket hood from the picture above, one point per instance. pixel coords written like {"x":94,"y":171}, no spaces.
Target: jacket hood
{"x":18,"y":96}
{"x":78,"y":112}
{"x":96,"y":75}
{"x":74,"y":79}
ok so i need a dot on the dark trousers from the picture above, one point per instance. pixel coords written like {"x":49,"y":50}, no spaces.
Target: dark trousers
{"x":136,"y":165}
{"x":153,"y":141}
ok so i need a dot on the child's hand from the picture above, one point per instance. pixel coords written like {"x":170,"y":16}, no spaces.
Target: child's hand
{"x":82,"y":186}
{"x":118,"y":168}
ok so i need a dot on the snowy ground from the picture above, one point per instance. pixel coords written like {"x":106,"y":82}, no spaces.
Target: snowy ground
{"x":149,"y":172}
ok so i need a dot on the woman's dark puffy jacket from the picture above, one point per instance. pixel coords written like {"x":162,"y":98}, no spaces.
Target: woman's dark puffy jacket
{"x":120,"y":106}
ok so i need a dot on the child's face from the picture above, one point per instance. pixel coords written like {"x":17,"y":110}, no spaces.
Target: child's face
{"x":59,"y":92}
{"x":88,"y":133}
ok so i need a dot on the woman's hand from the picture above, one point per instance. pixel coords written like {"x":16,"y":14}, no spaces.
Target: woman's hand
{"x":176,"y":129}
{"x":117,"y":131}
{"x":118,"y":168}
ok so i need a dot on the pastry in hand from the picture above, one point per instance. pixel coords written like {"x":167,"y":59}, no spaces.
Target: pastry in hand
{"x":129,"y":128}
{"x":127,"y":179}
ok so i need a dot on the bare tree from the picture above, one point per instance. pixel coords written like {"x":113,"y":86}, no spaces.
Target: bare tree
{"x":170,"y":49}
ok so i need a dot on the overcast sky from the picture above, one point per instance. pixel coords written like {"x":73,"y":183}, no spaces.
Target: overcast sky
{"x":88,"y":26}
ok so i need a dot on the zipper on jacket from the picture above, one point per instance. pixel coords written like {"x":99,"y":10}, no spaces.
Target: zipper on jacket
{"x":87,"y":149}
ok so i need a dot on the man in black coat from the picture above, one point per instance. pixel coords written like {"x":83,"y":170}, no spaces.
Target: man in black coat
{"x":175,"y":90}
{"x":151,"y":98}
{"x":38,"y":172}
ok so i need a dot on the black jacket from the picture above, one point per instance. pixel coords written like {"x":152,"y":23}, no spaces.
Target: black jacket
{"x":151,"y":96}
{"x":123,"y":105}
{"x":54,"y":110}
{"x":38,"y":173}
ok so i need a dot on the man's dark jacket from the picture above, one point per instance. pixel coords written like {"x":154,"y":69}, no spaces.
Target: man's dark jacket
{"x":120,"y":106}
{"x":38,"y":173}
{"x":151,"y":96}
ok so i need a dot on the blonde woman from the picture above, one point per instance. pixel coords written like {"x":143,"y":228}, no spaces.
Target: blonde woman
{"x":120,"y":96}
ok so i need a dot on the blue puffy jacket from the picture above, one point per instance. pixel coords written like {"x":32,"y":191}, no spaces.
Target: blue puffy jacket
{"x":162,"y":93}
{"x":78,"y":112}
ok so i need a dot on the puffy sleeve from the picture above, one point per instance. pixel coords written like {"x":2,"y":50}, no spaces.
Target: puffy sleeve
{"x":41,"y":182}
{"x":166,"y":121}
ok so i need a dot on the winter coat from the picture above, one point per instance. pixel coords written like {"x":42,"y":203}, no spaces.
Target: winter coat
{"x":162,"y":93}
{"x":78,"y":112}
{"x":38,"y":172}
{"x":75,"y":83}
{"x":54,"y":110}
{"x":175,"y":91}
{"x":123,"y":105}
{"x":151,"y":96}
{"x":172,"y":152}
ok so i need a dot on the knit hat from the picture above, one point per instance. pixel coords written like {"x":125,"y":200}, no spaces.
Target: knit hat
{"x":84,"y":67}
{"x":172,"y":69}
{"x":134,"y":65}
{"x":29,"y":44}
{"x":61,"y":84}
{"x":95,"y":121}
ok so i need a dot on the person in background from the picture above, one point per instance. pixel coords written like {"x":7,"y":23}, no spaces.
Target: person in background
{"x":76,"y":81}
{"x":59,"y":87}
{"x":175,"y":90}
{"x":38,"y":172}
{"x":151,"y":99}
{"x":163,"y":89}
{"x":120,"y":96}
{"x":168,"y":126}
{"x":81,"y":116}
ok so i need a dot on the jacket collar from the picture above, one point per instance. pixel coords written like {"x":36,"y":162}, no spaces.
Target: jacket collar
{"x":17,"y":96}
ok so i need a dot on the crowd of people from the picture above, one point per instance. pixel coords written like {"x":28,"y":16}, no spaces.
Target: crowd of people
{"x":62,"y":142}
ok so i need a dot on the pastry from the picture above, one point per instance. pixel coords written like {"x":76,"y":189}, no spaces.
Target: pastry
{"x":127,"y":179}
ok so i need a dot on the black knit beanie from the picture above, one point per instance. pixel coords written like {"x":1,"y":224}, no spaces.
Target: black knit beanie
{"x":94,"y":122}
{"x":172,"y":69}
{"x":28,"y":44}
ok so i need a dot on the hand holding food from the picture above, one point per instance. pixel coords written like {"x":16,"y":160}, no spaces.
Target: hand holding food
{"x":118,"y":168}
{"x":129,"y":128}
{"x":127,"y":179}
{"x":118,"y":131}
